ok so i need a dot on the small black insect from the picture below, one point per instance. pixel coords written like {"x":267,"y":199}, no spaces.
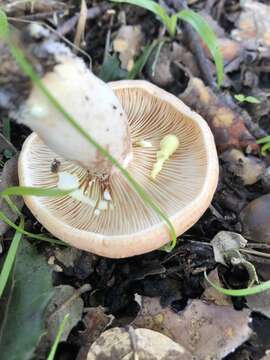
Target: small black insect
{"x":55,"y":166}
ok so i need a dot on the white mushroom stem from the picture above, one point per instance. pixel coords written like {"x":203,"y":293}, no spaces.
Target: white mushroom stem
{"x":94,"y":106}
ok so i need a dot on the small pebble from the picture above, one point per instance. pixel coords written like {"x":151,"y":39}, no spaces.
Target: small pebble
{"x":255,"y":218}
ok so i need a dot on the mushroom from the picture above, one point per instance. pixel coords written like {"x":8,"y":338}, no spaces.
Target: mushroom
{"x":104,"y":214}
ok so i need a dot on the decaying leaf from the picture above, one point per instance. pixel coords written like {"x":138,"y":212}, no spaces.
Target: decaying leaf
{"x":231,"y":50}
{"x":34,"y":5}
{"x":9,"y":177}
{"x":96,"y":322}
{"x":225,"y":241}
{"x":211,"y":295}
{"x":248,"y":168}
{"x":75,"y":262}
{"x":206,"y":330}
{"x":110,"y":69}
{"x":253,"y":26}
{"x":260,"y":303}
{"x":23,"y":303}
{"x":143,"y":344}
{"x":128,"y":43}
{"x":65,"y":300}
{"x":227,"y":125}
{"x":159,"y":66}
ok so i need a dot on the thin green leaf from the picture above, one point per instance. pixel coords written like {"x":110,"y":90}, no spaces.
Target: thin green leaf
{"x":29,"y":234}
{"x":8,"y":153}
{"x":157,"y":55}
{"x":27,"y":69}
{"x":33,"y":191}
{"x":20,"y":229}
{"x":142,"y":60}
{"x":252,"y":100}
{"x":58,"y":337}
{"x":9,"y":260}
{"x":207,"y":35}
{"x":12,"y":205}
{"x":3,"y":25}
{"x":263,"y":140}
{"x":240,"y":292}
{"x":239,"y":97}
{"x":265,"y":148}
{"x":249,"y":99}
{"x":6,"y":128}
{"x":155,"y":8}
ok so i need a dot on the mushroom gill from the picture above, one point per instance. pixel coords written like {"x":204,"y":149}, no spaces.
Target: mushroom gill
{"x":183,"y":189}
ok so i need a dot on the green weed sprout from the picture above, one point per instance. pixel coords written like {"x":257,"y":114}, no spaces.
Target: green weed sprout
{"x":196,"y":21}
{"x":249,"y":99}
{"x":265,"y":142}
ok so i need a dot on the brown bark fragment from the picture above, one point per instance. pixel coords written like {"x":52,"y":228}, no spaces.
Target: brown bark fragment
{"x":227,"y":125}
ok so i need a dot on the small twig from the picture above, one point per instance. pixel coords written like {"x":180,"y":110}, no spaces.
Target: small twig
{"x":196,"y":47}
{"x":92,"y":13}
{"x":42,"y":16}
{"x":255,"y":252}
{"x":252,"y":127}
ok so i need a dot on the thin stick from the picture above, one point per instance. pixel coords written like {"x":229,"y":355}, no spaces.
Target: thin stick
{"x":92,"y":13}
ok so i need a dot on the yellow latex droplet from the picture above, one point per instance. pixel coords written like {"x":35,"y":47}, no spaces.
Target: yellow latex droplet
{"x":168,"y":146}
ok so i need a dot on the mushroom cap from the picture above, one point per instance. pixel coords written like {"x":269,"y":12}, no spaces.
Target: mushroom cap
{"x":183,"y":189}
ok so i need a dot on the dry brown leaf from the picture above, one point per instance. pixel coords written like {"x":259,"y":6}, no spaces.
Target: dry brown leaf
{"x":227,"y":125}
{"x":95,"y":321}
{"x":206,"y":330}
{"x":253,"y":26}
{"x":159,"y":70}
{"x":138,"y":344}
{"x":80,"y":30}
{"x":248,"y":168}
{"x":128,"y":44}
{"x":260,"y":303}
{"x":211,"y":294}
{"x":39,"y":6}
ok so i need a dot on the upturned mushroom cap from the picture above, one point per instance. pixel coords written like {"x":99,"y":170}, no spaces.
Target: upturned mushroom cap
{"x":124,"y":225}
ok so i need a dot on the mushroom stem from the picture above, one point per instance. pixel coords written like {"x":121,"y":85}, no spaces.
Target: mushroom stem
{"x":95,"y":107}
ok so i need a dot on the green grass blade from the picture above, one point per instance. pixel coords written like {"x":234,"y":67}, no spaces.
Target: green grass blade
{"x":141,"y":61}
{"x":240,"y":292}
{"x":58,"y":337}
{"x":6,"y":128}
{"x":27,"y":69}
{"x":252,"y":100}
{"x":9,"y":260}
{"x":265,"y":148}
{"x":155,"y":8}
{"x":207,"y":35}
{"x":264,"y":140}
{"x":34,"y":191}
{"x":4,"y":30}
{"x":21,"y":230}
